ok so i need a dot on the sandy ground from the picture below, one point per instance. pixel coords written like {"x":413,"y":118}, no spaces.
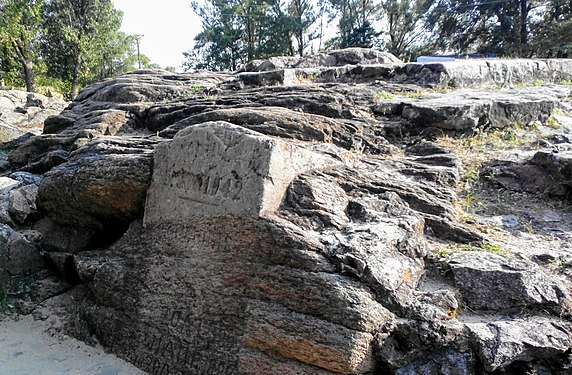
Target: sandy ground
{"x":26,"y":349}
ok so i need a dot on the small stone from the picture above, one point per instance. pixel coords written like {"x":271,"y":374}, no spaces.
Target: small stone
{"x":551,"y":217}
{"x":17,"y":255}
{"x":22,"y":202}
{"x":7,"y":183}
{"x":509,"y":221}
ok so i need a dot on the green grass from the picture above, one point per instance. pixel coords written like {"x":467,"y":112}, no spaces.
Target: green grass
{"x":210,"y":97}
{"x":413,"y":94}
{"x":491,"y":248}
{"x":383,"y":95}
{"x":537,"y":82}
{"x":553,"y":123}
{"x":445,"y":253}
{"x":197,"y":89}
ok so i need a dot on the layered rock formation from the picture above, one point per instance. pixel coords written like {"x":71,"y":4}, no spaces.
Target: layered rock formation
{"x":193,"y":224}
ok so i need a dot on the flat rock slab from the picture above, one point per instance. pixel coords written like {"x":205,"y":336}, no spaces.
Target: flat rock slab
{"x":28,"y":349}
{"x":487,"y":73}
{"x":491,"y":282}
{"x":472,"y":109}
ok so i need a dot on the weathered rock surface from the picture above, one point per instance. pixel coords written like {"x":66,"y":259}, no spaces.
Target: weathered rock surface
{"x":492,"y":282}
{"x":546,"y":172}
{"x":246,"y":276}
{"x":351,"y":64}
{"x":22,"y":112}
{"x":348,"y":56}
{"x":490,"y":73}
{"x":115,"y":174}
{"x":501,"y":342}
{"x":466,"y":110}
{"x":297,"y":227}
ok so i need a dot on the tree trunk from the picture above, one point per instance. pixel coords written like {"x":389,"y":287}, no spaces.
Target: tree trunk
{"x":29,"y":76}
{"x":27,"y":66}
{"x":523,"y":25}
{"x":74,"y":81}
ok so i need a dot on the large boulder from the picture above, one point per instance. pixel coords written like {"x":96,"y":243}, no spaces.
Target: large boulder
{"x":471,"y":110}
{"x":345,"y":65}
{"x":348,"y":56}
{"x":227,"y":280}
{"x":104,"y":184}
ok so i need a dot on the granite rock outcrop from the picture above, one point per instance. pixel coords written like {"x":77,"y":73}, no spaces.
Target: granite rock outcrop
{"x":208,"y":223}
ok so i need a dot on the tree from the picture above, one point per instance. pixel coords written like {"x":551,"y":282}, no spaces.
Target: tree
{"x":237,"y":31}
{"x":551,"y":35}
{"x":274,"y":30}
{"x":19,"y":28}
{"x":118,"y":56}
{"x":80,"y":36}
{"x":302,"y":16}
{"x":406,"y":26}
{"x":219,"y":45}
{"x":355,"y":25}
{"x":502,"y":27}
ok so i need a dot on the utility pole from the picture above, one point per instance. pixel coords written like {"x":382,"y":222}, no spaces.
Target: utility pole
{"x":138,"y":41}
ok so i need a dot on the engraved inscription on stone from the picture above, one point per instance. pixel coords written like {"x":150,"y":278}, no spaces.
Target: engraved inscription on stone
{"x":220,"y":168}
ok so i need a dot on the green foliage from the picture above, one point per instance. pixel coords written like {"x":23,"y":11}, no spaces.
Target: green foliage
{"x":82,"y":38}
{"x":19,"y":30}
{"x":537,"y":82}
{"x":552,"y":122}
{"x":413,"y":94}
{"x":363,"y":36}
{"x":355,"y":25}
{"x":519,"y":28}
{"x":383,"y":95}
{"x":5,"y":304}
{"x":10,"y":72}
{"x":61,"y":45}
{"x":406,"y":30}
{"x":51,"y":86}
{"x":445,"y":253}
{"x":238,"y":31}
{"x":491,"y":248}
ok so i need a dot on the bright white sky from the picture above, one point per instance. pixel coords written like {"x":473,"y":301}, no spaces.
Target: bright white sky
{"x":168,"y":28}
